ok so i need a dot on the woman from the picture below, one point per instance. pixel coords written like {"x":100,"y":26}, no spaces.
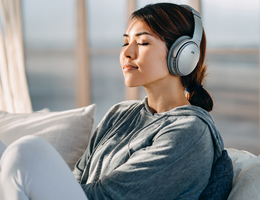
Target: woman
{"x":163,"y":147}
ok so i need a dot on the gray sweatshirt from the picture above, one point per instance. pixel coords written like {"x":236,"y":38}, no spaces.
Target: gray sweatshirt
{"x":134,"y":154}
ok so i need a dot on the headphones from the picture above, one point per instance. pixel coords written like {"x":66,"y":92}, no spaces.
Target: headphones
{"x":184,"y":53}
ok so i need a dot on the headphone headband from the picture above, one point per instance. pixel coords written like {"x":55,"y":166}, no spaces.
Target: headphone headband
{"x":197,"y":33}
{"x":184,"y":53}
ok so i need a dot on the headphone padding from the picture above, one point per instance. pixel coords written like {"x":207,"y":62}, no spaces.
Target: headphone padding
{"x":170,"y":57}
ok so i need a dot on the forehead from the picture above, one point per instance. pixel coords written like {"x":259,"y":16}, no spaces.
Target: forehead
{"x":136,"y":26}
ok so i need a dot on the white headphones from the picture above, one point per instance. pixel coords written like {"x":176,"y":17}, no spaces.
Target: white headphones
{"x":184,"y":53}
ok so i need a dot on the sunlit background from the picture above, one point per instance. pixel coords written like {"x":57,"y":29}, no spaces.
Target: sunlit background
{"x":232,"y":30}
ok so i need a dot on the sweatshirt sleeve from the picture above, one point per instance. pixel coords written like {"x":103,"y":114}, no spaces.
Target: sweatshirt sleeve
{"x":103,"y":126}
{"x":114,"y":115}
{"x":176,"y":166}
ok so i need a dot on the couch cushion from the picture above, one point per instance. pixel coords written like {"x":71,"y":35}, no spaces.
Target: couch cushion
{"x":246,"y":183}
{"x":220,"y":182}
{"x":68,"y":131}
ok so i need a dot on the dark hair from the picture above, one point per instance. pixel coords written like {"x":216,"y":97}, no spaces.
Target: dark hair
{"x":169,"y":22}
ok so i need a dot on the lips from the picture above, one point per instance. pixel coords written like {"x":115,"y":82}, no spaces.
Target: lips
{"x":129,"y":67}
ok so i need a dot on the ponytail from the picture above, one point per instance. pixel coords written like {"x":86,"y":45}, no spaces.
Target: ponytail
{"x":200,"y":97}
{"x":196,"y":94}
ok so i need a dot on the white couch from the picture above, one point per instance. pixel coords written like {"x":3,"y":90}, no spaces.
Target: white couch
{"x":69,"y":132}
{"x":246,"y":181}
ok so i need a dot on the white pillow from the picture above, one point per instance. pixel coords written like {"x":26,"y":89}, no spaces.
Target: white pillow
{"x":68,"y":131}
{"x":246,"y":182}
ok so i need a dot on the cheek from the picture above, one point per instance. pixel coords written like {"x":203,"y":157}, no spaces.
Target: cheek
{"x":162,"y":58}
{"x":157,"y":61}
{"x":164,"y":64}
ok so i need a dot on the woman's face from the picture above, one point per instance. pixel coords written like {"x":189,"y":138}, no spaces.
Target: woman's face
{"x":143,"y":57}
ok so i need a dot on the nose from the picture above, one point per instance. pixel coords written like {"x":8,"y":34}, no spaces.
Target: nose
{"x":130,"y":51}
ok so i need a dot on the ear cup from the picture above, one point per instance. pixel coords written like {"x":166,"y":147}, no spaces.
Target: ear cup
{"x":187,"y":58}
{"x":183,"y":56}
{"x":171,"y":58}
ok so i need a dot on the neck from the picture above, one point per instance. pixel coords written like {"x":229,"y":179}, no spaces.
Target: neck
{"x":165,"y":97}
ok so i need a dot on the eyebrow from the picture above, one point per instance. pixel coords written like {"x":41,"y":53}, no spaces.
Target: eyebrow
{"x":138,"y":34}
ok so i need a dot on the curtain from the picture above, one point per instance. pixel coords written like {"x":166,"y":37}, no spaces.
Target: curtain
{"x":14,"y":94}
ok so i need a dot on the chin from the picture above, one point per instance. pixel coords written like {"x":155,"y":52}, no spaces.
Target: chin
{"x":131,"y":84}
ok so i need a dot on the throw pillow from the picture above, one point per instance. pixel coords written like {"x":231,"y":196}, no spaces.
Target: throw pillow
{"x":68,"y":131}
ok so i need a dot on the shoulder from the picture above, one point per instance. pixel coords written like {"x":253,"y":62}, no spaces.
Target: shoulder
{"x":186,"y":119}
{"x":191,"y":122}
{"x":191,"y":117}
{"x":187,"y":124}
{"x":189,"y":129}
{"x":197,"y":124}
{"x":186,"y":135}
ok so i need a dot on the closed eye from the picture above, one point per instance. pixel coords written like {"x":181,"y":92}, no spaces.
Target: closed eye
{"x":143,"y":44}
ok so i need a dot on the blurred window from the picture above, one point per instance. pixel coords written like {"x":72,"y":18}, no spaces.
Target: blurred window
{"x":232,"y":30}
